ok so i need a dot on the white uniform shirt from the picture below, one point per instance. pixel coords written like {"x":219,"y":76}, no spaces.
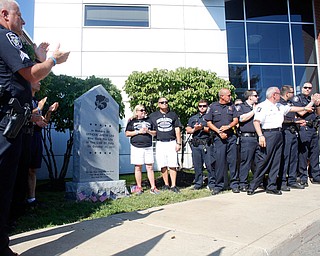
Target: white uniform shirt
{"x":271,"y":115}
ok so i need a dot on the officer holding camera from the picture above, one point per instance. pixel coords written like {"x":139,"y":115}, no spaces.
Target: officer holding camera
{"x":308,"y":139}
{"x":201,"y":146}
{"x":17,"y":70}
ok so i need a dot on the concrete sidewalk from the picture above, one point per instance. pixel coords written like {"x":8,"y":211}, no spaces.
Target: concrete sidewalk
{"x":225,"y":224}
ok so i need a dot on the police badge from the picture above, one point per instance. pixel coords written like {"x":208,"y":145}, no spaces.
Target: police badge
{"x":14,"y":40}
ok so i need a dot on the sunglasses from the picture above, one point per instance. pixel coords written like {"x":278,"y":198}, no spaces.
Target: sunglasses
{"x":163,"y":102}
{"x":255,"y":95}
{"x":307,"y":87}
{"x":142,"y":110}
{"x":203,"y":106}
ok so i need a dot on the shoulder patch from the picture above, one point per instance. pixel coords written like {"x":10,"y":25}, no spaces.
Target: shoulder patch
{"x":295,"y":99}
{"x":14,"y":40}
{"x":258,"y":109}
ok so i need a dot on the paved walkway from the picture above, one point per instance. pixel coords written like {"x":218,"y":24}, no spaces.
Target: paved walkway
{"x":225,"y":224}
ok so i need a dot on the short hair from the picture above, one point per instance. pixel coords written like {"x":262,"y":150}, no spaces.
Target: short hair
{"x":271,"y":90}
{"x":285,"y":89}
{"x":222,"y":89}
{"x":7,"y":4}
{"x":203,"y":101}
{"x":249,"y":93}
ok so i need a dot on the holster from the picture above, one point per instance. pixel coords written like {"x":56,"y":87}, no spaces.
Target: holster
{"x":18,"y":117}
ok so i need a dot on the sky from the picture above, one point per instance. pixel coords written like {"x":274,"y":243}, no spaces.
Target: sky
{"x":27,"y":10}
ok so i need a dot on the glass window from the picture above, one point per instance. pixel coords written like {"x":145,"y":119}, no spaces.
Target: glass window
{"x":301,"y":11}
{"x":132,"y":16}
{"x":304,"y":44}
{"x":267,"y":10}
{"x":266,"y":76}
{"x":236,"y":42}
{"x":269,"y":43}
{"x":238,"y":78}
{"x":234,"y":9}
{"x":307,"y":74}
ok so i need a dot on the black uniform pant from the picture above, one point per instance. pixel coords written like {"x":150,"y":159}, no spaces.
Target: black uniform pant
{"x":10,"y":151}
{"x":308,"y":149}
{"x":289,"y":162}
{"x":226,"y":155}
{"x":268,"y":160}
{"x":203,"y":154}
{"x":248,"y":151}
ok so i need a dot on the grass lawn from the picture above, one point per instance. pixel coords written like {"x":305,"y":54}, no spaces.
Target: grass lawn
{"x":56,"y":210}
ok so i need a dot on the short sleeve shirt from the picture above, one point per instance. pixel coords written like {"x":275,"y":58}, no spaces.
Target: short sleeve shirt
{"x":221,"y":114}
{"x":165,"y":125}
{"x":198,"y":119}
{"x":271,"y":115}
{"x":140,"y":140}
{"x":301,"y":101}
{"x":13,"y":57}
{"x":246,"y":126}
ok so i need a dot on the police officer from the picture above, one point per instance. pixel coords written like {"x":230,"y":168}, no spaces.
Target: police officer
{"x":268,"y":121}
{"x":289,"y":161}
{"x":221,"y":118}
{"x":201,"y":146}
{"x":16,"y":73}
{"x":248,"y":137}
{"x":308,"y":138}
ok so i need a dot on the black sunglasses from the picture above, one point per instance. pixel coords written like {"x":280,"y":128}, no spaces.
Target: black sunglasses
{"x":202,"y":106}
{"x":307,"y":87}
{"x":163,"y":102}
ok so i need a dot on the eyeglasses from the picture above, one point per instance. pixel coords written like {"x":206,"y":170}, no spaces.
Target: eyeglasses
{"x":203,"y":106}
{"x":142,"y":110}
{"x":163,"y":102}
{"x":255,"y":95}
{"x":290,"y":92}
{"x":307,"y":87}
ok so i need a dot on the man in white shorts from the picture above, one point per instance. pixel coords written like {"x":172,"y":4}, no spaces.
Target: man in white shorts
{"x":167,"y":125}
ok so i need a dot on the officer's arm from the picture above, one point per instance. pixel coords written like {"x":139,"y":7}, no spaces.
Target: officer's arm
{"x":212,"y":126}
{"x":302,"y":110}
{"x":39,"y":71}
{"x":189,"y":130}
{"x":245,"y":117}
{"x":257,"y":127}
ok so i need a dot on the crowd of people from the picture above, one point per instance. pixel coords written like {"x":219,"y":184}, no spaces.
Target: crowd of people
{"x":277,"y":140}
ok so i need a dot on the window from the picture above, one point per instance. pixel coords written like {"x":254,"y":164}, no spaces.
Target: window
{"x":116,"y":16}
{"x":272,"y":43}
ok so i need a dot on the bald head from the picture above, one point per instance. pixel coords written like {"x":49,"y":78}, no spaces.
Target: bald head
{"x":10,"y":16}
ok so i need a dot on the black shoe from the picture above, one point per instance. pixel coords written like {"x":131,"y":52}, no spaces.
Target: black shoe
{"x":175,"y":189}
{"x":304,"y":183}
{"x":296,"y":186}
{"x":196,"y":188}
{"x":250,"y":192}
{"x":243,"y":189}
{"x":235,"y":190}
{"x":285,"y":188}
{"x":210,"y":188}
{"x":313,"y":181}
{"x":274,"y":192}
{"x":216,"y":191}
{"x":166,"y":187}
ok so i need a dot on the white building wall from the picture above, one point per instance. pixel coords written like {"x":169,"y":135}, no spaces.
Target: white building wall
{"x":182,"y":33}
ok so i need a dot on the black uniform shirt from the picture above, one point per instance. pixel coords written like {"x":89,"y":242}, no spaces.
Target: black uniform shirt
{"x":140,"y":140}
{"x":13,"y":57}
{"x":165,"y":125}
{"x":288,"y":118}
{"x":246,"y":126}
{"x":221,"y":114}
{"x":198,"y":119}
{"x":301,"y":101}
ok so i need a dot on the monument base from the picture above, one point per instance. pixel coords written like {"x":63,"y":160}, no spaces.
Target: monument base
{"x":96,"y":190}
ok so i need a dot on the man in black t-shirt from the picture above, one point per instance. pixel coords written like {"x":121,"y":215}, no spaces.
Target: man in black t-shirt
{"x":167,"y":125}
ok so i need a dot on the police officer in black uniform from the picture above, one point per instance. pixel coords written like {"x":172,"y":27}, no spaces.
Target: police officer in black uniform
{"x":16,"y":73}
{"x":289,"y":160}
{"x":308,"y":137}
{"x":201,"y":146}
{"x":221,"y":118}
{"x":248,"y":137}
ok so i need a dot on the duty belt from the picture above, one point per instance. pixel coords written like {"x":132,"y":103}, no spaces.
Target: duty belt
{"x":272,"y":130}
{"x":248,"y":134}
